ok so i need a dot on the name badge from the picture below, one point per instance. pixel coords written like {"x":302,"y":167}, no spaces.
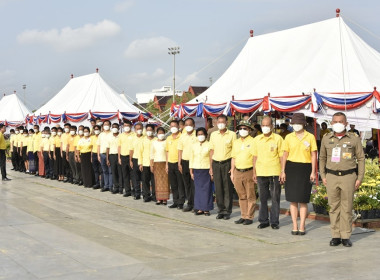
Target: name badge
{"x":347,"y":155}
{"x":335,"y":156}
{"x":307,"y":144}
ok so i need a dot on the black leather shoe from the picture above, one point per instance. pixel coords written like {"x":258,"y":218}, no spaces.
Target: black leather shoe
{"x":199,"y":213}
{"x":147,"y":199}
{"x":96,"y":187}
{"x":80,"y":183}
{"x":127,"y":194}
{"x":274,"y":226}
{"x":263,"y":225}
{"x":6,"y":179}
{"x":180,"y":207}
{"x":240,"y":221}
{"x":137,"y":197}
{"x":346,"y":242}
{"x":226,"y":216}
{"x":115,"y":191}
{"x":187,"y":209}
{"x":335,"y":242}
{"x":173,"y":206}
{"x":247,"y":222}
{"x":219,"y":216}
{"x":104,"y":190}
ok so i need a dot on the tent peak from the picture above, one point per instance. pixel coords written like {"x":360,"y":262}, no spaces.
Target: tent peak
{"x":251,"y":33}
{"x":72,"y":76}
{"x":337,"y":12}
{"x":97,"y":70}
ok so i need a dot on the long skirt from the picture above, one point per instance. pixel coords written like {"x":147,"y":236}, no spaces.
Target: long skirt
{"x":32,"y":162}
{"x":161,"y":181}
{"x":41,"y":164}
{"x":203,"y":199}
{"x":297,"y":184}
{"x":86,"y":169}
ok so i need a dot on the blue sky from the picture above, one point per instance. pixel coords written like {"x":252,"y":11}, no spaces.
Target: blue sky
{"x":43,"y":42}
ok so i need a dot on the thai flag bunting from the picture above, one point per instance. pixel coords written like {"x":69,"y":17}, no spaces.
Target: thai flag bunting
{"x":288,"y":103}
{"x":339,"y":101}
{"x":77,"y":117}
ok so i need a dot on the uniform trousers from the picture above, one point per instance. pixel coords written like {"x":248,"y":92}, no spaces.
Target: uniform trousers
{"x":223,"y":186}
{"x":136,"y":178}
{"x":86,"y":169}
{"x":98,"y":173}
{"x":340,"y":192}
{"x":2,"y":163}
{"x":107,"y":173}
{"x":176,"y":184}
{"x":245,"y":188}
{"x":14,"y":158}
{"x":66,"y":167}
{"x":52,"y":164}
{"x":116,"y":173}
{"x":127,"y":173}
{"x":147,"y":178}
{"x":73,"y":166}
{"x":188,"y":183}
{"x":269,"y":185}
{"x":48,"y":168}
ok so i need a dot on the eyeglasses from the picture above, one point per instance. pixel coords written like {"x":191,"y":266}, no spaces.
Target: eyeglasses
{"x":243,"y":128}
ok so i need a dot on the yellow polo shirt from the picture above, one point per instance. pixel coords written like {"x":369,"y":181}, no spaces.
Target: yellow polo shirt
{"x":94,"y":142}
{"x":64,"y":140}
{"x":30,"y":142}
{"x":242,"y":152}
{"x":113,"y":144}
{"x":103,"y":139}
{"x":299,"y":150}
{"x":126,"y":143}
{"x":17,"y":140}
{"x":45,"y":145}
{"x":71,"y":142}
{"x":158,"y":151}
{"x":137,"y":145}
{"x":37,"y":142}
{"x":222,"y":144}
{"x":200,"y":155}
{"x":58,"y":141}
{"x":52,"y":141}
{"x":185,"y":143}
{"x":2,"y":142}
{"x":11,"y":139}
{"x":268,"y":152}
{"x":23,"y":140}
{"x":172,"y":148}
{"x":144,"y":156}
{"x":85,"y":145}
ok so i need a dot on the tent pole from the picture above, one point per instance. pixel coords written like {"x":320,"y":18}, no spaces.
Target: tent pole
{"x":316,"y":164}
{"x":233,"y":98}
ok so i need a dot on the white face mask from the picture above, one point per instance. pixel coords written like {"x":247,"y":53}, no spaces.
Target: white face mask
{"x":100,"y":123}
{"x":17,"y":132}
{"x":43,"y":135}
{"x":67,"y":130}
{"x":149,"y":133}
{"x":53,"y":133}
{"x":59,"y":133}
{"x":86,"y":134}
{"x":115,"y":130}
{"x":266,"y":129}
{"x":97,"y":131}
{"x":189,"y":128}
{"x":25,"y":135}
{"x":80,"y":132}
{"x":338,"y":127}
{"x":139,"y":131}
{"x":243,"y":133}
{"x":72,"y":132}
{"x":127,"y":128}
{"x":297,"y":127}
{"x":106,"y":127}
{"x":47,"y":135}
{"x":174,"y":130}
{"x":201,"y":138}
{"x":161,"y":136}
{"x":221,"y":126}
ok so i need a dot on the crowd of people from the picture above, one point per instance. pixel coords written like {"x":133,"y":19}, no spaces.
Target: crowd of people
{"x":196,"y":164}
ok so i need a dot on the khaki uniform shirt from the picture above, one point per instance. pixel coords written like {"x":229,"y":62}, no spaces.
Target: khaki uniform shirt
{"x":351,"y":154}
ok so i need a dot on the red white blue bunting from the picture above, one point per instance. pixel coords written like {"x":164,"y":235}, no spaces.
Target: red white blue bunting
{"x":242,"y":106}
{"x":287,"y":103}
{"x":340,"y":101}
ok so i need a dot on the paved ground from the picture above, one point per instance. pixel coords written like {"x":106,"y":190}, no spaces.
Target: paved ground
{"x":52,"y":230}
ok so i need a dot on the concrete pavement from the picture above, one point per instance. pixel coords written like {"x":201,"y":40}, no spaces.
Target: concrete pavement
{"x":52,"y":230}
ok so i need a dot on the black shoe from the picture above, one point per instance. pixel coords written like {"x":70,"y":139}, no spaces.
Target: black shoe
{"x":104,"y":190}
{"x":240,"y":221}
{"x":301,"y":232}
{"x":199,"y":212}
{"x":80,"y":183}
{"x":36,"y":174}
{"x":226,"y":216}
{"x":137,"y":197}
{"x":294,"y":232}
{"x":207,"y":213}
{"x":247,"y":222}
{"x":47,"y":177}
{"x":65,"y":180}
{"x":335,"y":242}
{"x":219,"y":216}
{"x":346,"y":242}
{"x":6,"y":179}
{"x":173,"y":206}
{"x":263,"y":225}
{"x":12,"y":169}
{"x":274,"y":226}
{"x":147,"y":199}
{"x":187,"y":209}
{"x":115,"y":191}
{"x":121,"y":192}
{"x":127,"y":194}
{"x":95,"y":187}
{"x":180,"y":207}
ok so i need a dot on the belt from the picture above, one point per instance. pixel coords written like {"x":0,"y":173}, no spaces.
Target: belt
{"x":244,"y":170}
{"x":341,"y":173}
{"x":223,"y":161}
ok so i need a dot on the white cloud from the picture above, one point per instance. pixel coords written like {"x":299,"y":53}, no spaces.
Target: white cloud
{"x":150,"y":48}
{"x":68,"y":39}
{"x":123,"y":6}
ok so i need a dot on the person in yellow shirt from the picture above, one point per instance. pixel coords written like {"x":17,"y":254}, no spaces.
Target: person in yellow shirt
{"x":242,"y":173}
{"x":23,"y":150}
{"x":102,"y":155}
{"x":267,"y":156}
{"x":71,"y":153}
{"x":125,"y":144}
{"x":30,"y":151}
{"x":158,"y":167}
{"x":220,"y":168}
{"x":112,"y":159}
{"x":175,"y":176}
{"x":147,"y":177}
{"x":57,"y":155}
{"x":324,"y":130}
{"x":85,"y":147}
{"x":52,"y":157}
{"x":134,"y":153}
{"x":199,"y":165}
{"x":77,"y":154}
{"x":65,"y":153}
{"x":185,"y":143}
{"x":20,"y":149}
{"x":3,"y":147}
{"x":98,"y":173}
{"x":16,"y":148}
{"x":45,"y":150}
{"x":38,"y":158}
{"x":11,"y":142}
{"x":298,"y":170}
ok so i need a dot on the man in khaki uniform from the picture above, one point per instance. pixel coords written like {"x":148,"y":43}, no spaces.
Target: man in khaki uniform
{"x":342,"y":167}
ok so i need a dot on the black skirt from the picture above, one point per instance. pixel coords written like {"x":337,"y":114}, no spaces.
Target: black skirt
{"x":297,"y":184}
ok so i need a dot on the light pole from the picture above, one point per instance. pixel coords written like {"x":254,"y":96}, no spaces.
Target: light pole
{"x":24,"y":88}
{"x":173,"y":51}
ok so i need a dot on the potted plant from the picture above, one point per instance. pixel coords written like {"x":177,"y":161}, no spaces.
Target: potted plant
{"x":319,"y":200}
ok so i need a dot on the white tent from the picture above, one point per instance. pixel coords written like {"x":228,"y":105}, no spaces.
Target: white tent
{"x":326,"y":55}
{"x":13,"y":110}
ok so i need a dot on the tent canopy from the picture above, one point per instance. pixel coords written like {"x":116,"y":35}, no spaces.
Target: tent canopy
{"x":326,"y":55}
{"x":13,"y":110}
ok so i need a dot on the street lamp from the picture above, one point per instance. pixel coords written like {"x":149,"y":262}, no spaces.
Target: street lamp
{"x":173,"y":51}
{"x":24,"y":88}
